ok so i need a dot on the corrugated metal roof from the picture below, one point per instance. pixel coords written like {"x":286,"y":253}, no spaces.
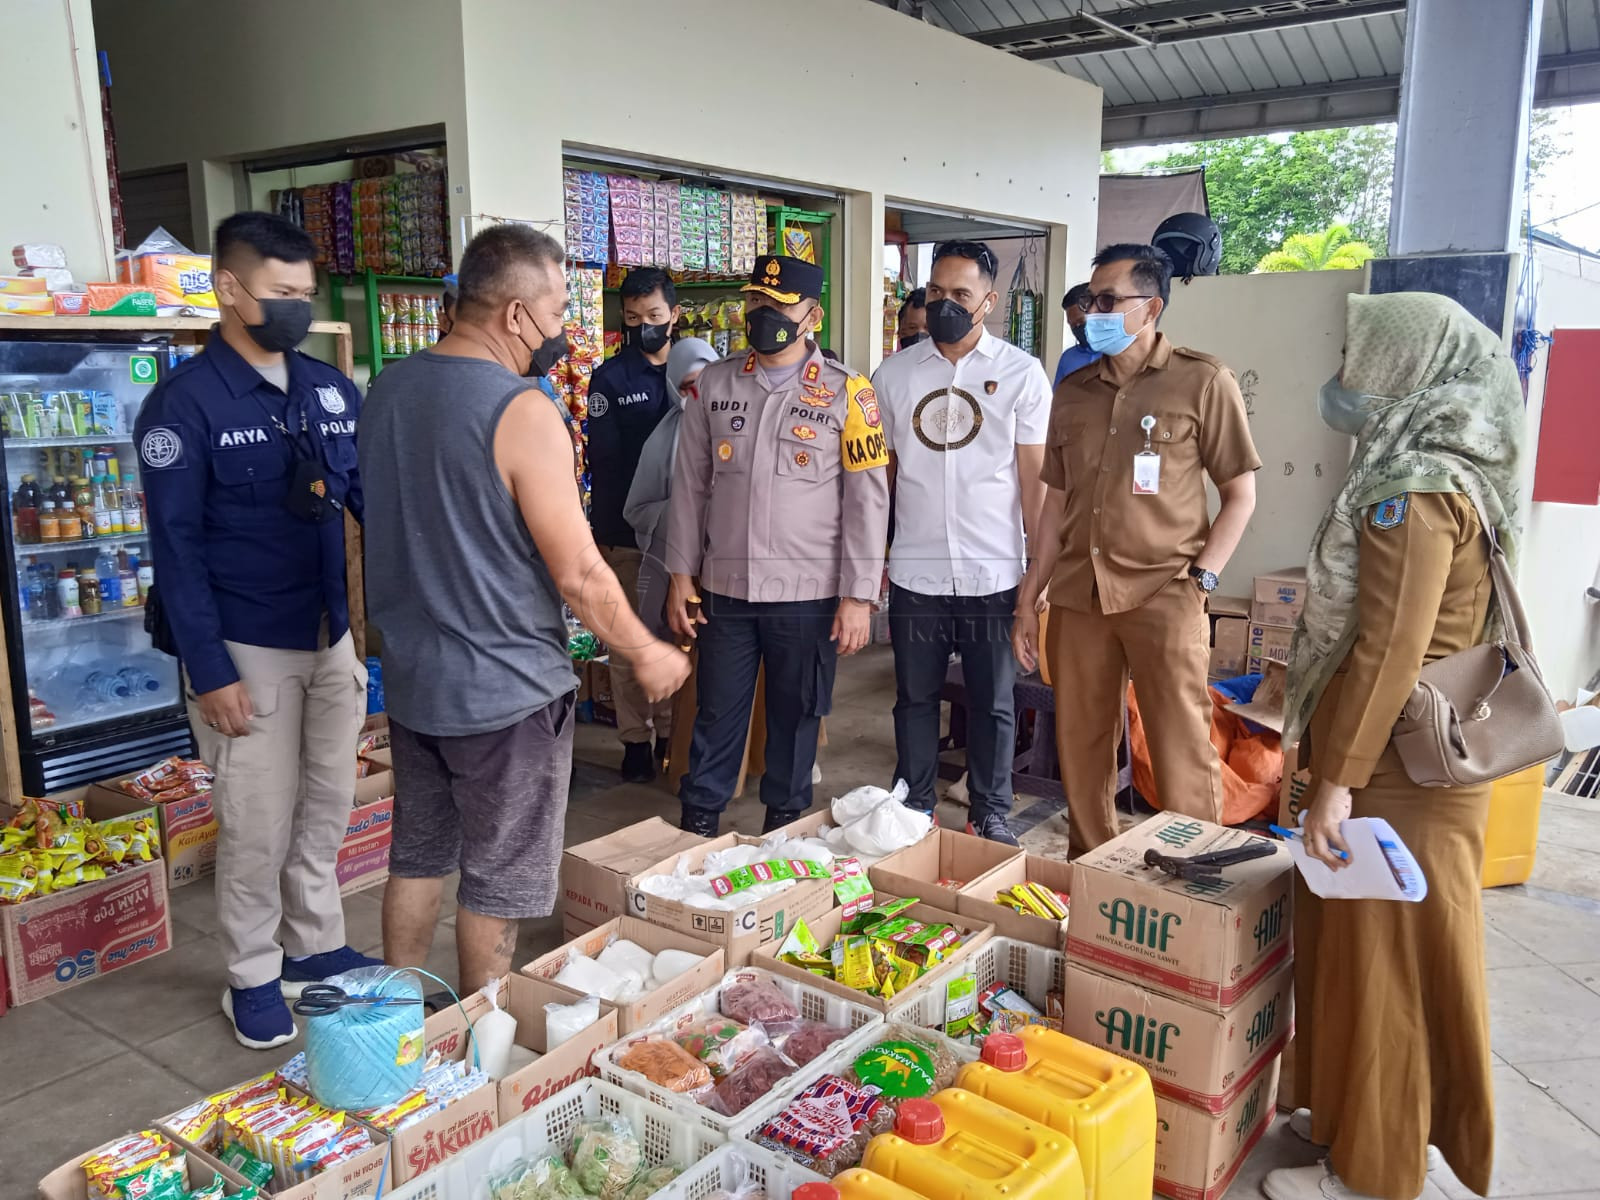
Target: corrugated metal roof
{"x":1286,"y":63}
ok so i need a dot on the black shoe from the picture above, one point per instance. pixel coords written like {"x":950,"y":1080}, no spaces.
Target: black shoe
{"x":703,"y":821}
{"x":637,"y":764}
{"x":663,"y":754}
{"x":993,"y":827}
{"x":777,"y":818}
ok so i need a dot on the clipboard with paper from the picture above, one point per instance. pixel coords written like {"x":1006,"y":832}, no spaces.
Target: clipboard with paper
{"x":1381,"y":867}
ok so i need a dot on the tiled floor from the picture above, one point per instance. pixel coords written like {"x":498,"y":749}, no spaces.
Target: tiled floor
{"x":98,"y":1060}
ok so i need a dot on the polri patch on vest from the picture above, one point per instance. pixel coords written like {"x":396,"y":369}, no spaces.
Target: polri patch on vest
{"x":343,"y":428}
{"x":725,"y":451}
{"x":233,"y":439}
{"x":331,"y":399}
{"x":1391,"y":513}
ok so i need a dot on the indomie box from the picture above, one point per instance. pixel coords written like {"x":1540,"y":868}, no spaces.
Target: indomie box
{"x":1208,"y":943}
{"x":1197,"y":1154}
{"x":594,"y":875}
{"x":188,"y":829}
{"x":1196,"y":1056}
{"x":363,"y":860}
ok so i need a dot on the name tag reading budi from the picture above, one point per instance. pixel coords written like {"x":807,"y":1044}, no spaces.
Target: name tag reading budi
{"x":1147,"y":473}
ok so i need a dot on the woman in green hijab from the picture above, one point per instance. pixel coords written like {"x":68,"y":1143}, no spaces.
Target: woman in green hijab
{"x":1393,"y":1039}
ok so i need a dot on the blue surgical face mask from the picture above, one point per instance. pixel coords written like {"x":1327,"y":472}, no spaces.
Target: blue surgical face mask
{"x":1108,"y":333}
{"x":1342,"y":410}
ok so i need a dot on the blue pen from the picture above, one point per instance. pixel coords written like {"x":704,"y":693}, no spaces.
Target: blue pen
{"x":1295,"y":833}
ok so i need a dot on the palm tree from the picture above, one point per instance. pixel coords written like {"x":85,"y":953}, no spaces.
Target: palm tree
{"x":1331,"y":250}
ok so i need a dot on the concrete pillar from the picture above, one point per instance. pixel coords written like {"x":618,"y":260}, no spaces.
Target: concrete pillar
{"x":1463,"y":126}
{"x":859,"y":302}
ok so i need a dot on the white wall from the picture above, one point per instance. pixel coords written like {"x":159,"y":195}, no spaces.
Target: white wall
{"x":816,"y":92}
{"x":1283,"y":335}
{"x":1561,"y":542}
{"x":54,"y":187}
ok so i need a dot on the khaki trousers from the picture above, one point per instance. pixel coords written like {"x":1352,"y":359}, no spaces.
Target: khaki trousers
{"x":637,"y":719}
{"x":283,"y":796}
{"x":1164,"y":643}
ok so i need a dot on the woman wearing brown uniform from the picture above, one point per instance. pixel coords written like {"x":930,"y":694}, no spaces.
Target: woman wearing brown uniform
{"x":1393,"y":1011}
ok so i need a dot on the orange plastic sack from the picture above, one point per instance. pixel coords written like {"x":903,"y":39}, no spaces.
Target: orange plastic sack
{"x":1252,"y":761}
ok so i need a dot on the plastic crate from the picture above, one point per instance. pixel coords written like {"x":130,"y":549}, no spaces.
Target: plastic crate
{"x":1035,"y":971}
{"x":837,"y":1061}
{"x":734,"y":1166}
{"x":814,"y":1005}
{"x":547,"y":1129}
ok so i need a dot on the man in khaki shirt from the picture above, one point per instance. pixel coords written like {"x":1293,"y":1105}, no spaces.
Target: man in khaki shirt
{"x":1126,"y":549}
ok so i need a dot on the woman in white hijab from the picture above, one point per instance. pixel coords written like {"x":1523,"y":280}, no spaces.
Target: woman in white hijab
{"x":652,"y":482}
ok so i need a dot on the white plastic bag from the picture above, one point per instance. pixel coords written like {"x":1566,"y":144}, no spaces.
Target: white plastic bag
{"x":857,"y":803}
{"x":591,"y":978}
{"x":672,"y":963}
{"x":563,"y":1022}
{"x":888,"y":828}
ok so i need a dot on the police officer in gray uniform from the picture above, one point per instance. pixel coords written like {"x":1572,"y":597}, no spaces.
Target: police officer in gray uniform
{"x":775,"y":538}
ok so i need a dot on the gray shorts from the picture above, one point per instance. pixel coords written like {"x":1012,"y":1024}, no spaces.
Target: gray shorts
{"x":491,"y":805}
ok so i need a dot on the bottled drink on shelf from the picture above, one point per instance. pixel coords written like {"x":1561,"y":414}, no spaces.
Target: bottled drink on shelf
{"x":89,"y":594}
{"x":106,"y":570}
{"x":83,"y":501}
{"x":42,"y":597}
{"x":132,"y":511}
{"x":67,"y":589}
{"x":25,"y":511}
{"x":128,"y":585}
{"x":69,"y":523}
{"x":60,"y":493}
{"x":49,"y":522}
{"x":24,"y":595}
{"x":143,"y":571}
{"x":107,"y":508}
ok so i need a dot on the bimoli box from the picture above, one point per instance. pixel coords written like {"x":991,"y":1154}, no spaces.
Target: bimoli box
{"x":594,"y":875}
{"x":1197,"y":1154}
{"x":826,"y":928}
{"x":1268,"y":643}
{"x":656,"y":1003}
{"x":1279,"y":597}
{"x":51,"y":943}
{"x":553,"y":1071}
{"x":977,"y":900}
{"x":740,"y":931}
{"x":68,"y":1182}
{"x":188,"y":829}
{"x":943,"y":854}
{"x":1195,"y":1056}
{"x":1209,"y":943}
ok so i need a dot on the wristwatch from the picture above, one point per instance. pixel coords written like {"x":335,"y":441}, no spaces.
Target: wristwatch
{"x":1205,"y":580}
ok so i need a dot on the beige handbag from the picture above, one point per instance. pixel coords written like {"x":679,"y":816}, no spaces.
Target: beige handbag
{"x":1482,"y":713}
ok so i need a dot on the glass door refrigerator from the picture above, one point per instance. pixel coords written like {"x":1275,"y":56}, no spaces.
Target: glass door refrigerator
{"x":93,"y":698}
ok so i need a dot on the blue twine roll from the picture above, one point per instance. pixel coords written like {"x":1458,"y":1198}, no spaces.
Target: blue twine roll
{"x":366,"y":1055}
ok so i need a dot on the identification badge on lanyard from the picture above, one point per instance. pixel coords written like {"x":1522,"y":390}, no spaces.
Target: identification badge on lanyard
{"x":1147,"y":464}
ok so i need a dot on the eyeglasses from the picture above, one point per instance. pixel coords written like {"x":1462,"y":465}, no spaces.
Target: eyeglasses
{"x":1104,"y":302}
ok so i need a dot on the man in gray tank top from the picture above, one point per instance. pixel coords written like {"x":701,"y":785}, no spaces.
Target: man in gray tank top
{"x":475,"y":535}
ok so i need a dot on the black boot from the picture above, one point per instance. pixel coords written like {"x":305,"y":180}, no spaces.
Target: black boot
{"x":777,"y":818}
{"x":703,"y":821}
{"x":638,"y":766}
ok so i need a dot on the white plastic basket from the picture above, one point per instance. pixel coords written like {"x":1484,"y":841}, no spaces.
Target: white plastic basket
{"x":734,"y":1166}
{"x":814,"y":1005}
{"x":837,"y":1061}
{"x":1035,"y":971}
{"x":547,"y":1129}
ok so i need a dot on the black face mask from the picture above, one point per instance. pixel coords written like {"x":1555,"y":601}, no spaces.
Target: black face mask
{"x":948,"y":322}
{"x":544,"y":357}
{"x":284,"y":323}
{"x":1080,"y":334}
{"x":911,"y":339}
{"x":651,"y":339}
{"x":769,"y":331}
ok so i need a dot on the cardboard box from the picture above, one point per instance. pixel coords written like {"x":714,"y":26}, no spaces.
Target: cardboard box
{"x":1294,"y":791}
{"x":1206,"y":943}
{"x":1289,"y":1097}
{"x":418,"y":1149}
{"x":1267,"y":704}
{"x":1198,"y":1155}
{"x":377,"y":726}
{"x":362,"y":1178}
{"x":605,"y":708}
{"x":1279,"y":596}
{"x":51,"y":943}
{"x":1195,"y":1056}
{"x":524,"y":998}
{"x":1268,"y":643}
{"x":363,"y":860}
{"x":976,"y":900}
{"x":943,"y":854}
{"x":741,"y":931}
{"x":826,"y":928}
{"x":1219,"y":606}
{"x":804,"y":827}
{"x":656,"y":1003}
{"x":188,"y":829}
{"x":67,"y":1182}
{"x":594,"y":875}
{"x":1230,"y":647}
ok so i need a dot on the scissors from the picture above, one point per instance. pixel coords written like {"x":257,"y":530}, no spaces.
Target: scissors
{"x":320,"y":999}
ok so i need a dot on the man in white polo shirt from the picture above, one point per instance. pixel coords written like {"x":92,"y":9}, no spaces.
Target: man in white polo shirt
{"x":965,"y":416}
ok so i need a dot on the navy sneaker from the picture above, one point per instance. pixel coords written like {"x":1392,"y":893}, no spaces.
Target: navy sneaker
{"x":298,"y":973}
{"x":992,"y":827}
{"x":260,"y":1018}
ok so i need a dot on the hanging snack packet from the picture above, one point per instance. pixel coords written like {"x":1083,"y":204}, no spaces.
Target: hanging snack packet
{"x":852,"y":890}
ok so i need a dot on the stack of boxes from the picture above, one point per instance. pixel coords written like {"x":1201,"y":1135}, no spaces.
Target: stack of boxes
{"x":1274,"y":608}
{"x":1194,"y":982}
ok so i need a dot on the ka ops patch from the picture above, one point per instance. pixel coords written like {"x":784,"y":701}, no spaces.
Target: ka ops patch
{"x":862,"y":444}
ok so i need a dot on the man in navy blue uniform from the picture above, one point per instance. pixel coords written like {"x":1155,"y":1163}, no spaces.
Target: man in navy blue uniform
{"x":628,"y":396}
{"x":249,"y":456}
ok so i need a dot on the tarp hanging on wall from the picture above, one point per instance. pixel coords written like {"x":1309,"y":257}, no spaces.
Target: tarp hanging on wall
{"x":1131,"y":206}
